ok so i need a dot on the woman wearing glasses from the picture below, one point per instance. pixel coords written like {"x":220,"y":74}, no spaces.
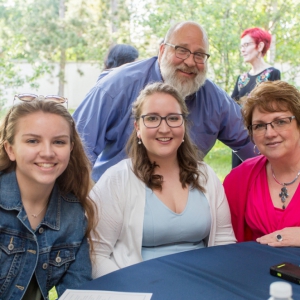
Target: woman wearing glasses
{"x":255,"y":43}
{"x":263,"y":192}
{"x":162,"y":200}
{"x":44,"y":185}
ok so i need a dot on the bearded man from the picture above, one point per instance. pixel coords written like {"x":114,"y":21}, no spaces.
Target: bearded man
{"x":104,"y":117}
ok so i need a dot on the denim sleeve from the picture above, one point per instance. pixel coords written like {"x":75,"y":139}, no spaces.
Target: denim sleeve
{"x":79,"y":272}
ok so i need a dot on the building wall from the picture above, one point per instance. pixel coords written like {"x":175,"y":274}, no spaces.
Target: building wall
{"x":79,"y":79}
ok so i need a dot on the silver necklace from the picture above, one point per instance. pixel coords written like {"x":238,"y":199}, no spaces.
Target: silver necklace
{"x":284,"y":192}
{"x":36,"y":215}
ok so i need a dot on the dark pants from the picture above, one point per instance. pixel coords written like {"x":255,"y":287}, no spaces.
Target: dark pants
{"x":235,"y":160}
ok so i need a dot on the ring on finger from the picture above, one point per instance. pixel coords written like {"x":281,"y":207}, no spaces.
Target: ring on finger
{"x":279,"y":238}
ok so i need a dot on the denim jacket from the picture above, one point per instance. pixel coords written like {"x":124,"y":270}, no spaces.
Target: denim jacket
{"x":57,"y":251}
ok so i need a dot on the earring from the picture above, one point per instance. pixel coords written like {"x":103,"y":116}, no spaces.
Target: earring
{"x":139,"y":142}
{"x":182,"y":140}
{"x":254,"y":150}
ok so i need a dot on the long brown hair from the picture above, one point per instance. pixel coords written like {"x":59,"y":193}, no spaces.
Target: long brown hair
{"x":76,"y":178}
{"x":188,"y":155}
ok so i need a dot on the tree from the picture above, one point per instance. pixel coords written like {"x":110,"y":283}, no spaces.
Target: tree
{"x":9,"y":47}
{"x":42,"y":32}
{"x":46,"y":31}
{"x":224,"y":21}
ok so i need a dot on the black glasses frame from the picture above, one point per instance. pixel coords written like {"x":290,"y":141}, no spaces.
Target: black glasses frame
{"x":250,"y":127}
{"x":189,"y":53}
{"x":162,"y":118}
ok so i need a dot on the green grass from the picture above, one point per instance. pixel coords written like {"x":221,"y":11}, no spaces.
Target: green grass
{"x":219,"y":158}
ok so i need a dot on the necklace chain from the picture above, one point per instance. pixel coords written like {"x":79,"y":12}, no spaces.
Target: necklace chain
{"x":36,"y":215}
{"x":284,"y":192}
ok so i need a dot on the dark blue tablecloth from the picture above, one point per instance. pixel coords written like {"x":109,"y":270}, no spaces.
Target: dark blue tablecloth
{"x":238,"y":271}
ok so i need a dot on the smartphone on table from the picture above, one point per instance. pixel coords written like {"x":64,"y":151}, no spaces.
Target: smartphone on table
{"x":286,"y":271}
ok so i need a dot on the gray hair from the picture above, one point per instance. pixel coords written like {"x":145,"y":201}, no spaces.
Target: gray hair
{"x":178,"y":25}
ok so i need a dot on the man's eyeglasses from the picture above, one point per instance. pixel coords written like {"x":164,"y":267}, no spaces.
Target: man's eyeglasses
{"x":183,"y":53}
{"x":278,"y":125}
{"x":245,"y":45}
{"x":153,"y":121}
{"x":32,"y":97}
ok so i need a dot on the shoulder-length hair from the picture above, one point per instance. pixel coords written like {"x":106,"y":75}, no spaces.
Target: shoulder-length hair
{"x":76,"y":177}
{"x":188,"y":155}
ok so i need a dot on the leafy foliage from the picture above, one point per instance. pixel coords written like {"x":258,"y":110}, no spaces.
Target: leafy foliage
{"x":45,"y":31}
{"x":224,"y":21}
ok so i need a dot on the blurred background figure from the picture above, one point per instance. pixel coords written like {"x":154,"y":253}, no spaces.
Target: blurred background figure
{"x":118,"y":55}
{"x":255,"y":43}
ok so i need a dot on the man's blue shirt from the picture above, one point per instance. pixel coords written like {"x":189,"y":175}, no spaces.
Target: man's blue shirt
{"x":104,"y":117}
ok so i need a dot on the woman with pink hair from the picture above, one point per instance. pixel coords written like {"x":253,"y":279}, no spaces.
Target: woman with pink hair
{"x":255,"y":42}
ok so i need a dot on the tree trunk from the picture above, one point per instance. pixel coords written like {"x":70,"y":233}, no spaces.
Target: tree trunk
{"x":114,"y":15}
{"x":272,"y":53}
{"x":61,"y":74}
{"x":62,"y":62}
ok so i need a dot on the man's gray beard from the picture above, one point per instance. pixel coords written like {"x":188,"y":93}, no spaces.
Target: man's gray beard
{"x":185,"y":86}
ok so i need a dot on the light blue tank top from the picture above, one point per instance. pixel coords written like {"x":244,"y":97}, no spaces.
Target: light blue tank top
{"x":166,"y":232}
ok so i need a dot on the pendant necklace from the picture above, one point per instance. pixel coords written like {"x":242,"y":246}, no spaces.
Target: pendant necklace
{"x":284,"y":192}
{"x":36,"y":215}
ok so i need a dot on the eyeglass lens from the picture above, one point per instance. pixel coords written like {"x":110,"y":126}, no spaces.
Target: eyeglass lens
{"x":26,"y":97}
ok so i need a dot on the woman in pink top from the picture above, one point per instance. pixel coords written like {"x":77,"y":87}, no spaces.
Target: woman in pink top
{"x":263,"y":192}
